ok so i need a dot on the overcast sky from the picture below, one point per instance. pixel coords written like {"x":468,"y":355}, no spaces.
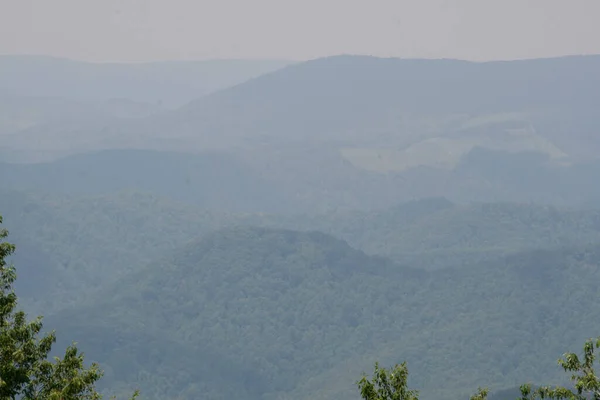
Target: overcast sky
{"x":141,"y":30}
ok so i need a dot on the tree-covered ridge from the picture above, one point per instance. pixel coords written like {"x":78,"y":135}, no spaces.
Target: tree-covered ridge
{"x":172,"y":353}
{"x":436,"y":233}
{"x":64,"y":239}
{"x":507,"y":299}
{"x":244,"y":289}
{"x":299,"y":314}
{"x":258,"y":244}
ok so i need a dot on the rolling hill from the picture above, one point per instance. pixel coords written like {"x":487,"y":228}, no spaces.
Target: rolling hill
{"x":363,"y":132}
{"x":363,"y":105}
{"x":367,"y":101}
{"x":299,"y":315}
{"x":84,"y":243}
{"x":273,"y":238}
{"x":436,"y":233}
{"x":51,"y":107}
{"x":72,"y":235}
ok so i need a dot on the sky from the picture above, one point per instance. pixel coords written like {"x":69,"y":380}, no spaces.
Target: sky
{"x":150,"y":30}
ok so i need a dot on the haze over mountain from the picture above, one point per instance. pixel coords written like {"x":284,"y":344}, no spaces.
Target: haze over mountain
{"x":169,"y":83}
{"x":212,"y":181}
{"x":361,"y":132}
{"x":48,"y":104}
{"x":266,"y":230}
{"x":352,"y":100}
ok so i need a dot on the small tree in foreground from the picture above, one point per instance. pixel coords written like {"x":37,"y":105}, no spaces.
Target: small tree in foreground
{"x":583,"y":375}
{"x":393,"y":384}
{"x":25,"y":371}
{"x":387,"y":385}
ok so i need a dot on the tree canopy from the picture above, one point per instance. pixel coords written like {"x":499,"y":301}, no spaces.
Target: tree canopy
{"x":392,"y":383}
{"x":25,"y":370}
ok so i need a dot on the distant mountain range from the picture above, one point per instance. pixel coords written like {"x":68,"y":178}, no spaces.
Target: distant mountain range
{"x":359,"y":105}
{"x":396,"y":104}
{"x":213,"y":181}
{"x":364,"y":132}
{"x":267,"y":231}
{"x":304,"y":181}
{"x":169,"y":84}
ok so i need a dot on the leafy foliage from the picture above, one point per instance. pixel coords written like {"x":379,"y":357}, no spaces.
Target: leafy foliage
{"x":584,"y":379}
{"x":25,"y":371}
{"x":393,"y":384}
{"x":386,"y":385}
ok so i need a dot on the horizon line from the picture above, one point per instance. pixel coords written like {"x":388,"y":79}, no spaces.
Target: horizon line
{"x":283,"y":60}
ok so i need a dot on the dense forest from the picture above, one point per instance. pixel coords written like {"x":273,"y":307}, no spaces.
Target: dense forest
{"x":296,"y":223}
{"x":306,"y":307}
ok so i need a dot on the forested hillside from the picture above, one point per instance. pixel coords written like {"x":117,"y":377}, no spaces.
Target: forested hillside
{"x":436,"y":233}
{"x":73,"y":233}
{"x":303,"y":313}
{"x":276,"y":229}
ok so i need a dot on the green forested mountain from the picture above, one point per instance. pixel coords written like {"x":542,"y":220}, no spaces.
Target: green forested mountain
{"x":272,"y":239}
{"x":74,"y":233}
{"x":71,"y":236}
{"x":436,"y":232}
{"x":26,"y":370}
{"x":274,"y":313}
{"x":89,"y":241}
{"x":277,"y":313}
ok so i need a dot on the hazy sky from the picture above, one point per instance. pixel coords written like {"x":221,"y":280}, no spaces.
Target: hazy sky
{"x":139,"y":30}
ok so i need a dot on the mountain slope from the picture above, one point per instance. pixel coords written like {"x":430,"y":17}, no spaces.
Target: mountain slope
{"x":370,"y":130}
{"x":71,"y":247}
{"x":372,"y":104}
{"x":363,"y":132}
{"x":435,"y":233}
{"x":342,"y":98}
{"x":52,"y":107}
{"x":73,"y":235}
{"x":306,"y":313}
{"x":241,"y":289}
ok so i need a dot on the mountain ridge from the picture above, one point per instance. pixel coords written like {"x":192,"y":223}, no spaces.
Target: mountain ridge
{"x":273,"y":300}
